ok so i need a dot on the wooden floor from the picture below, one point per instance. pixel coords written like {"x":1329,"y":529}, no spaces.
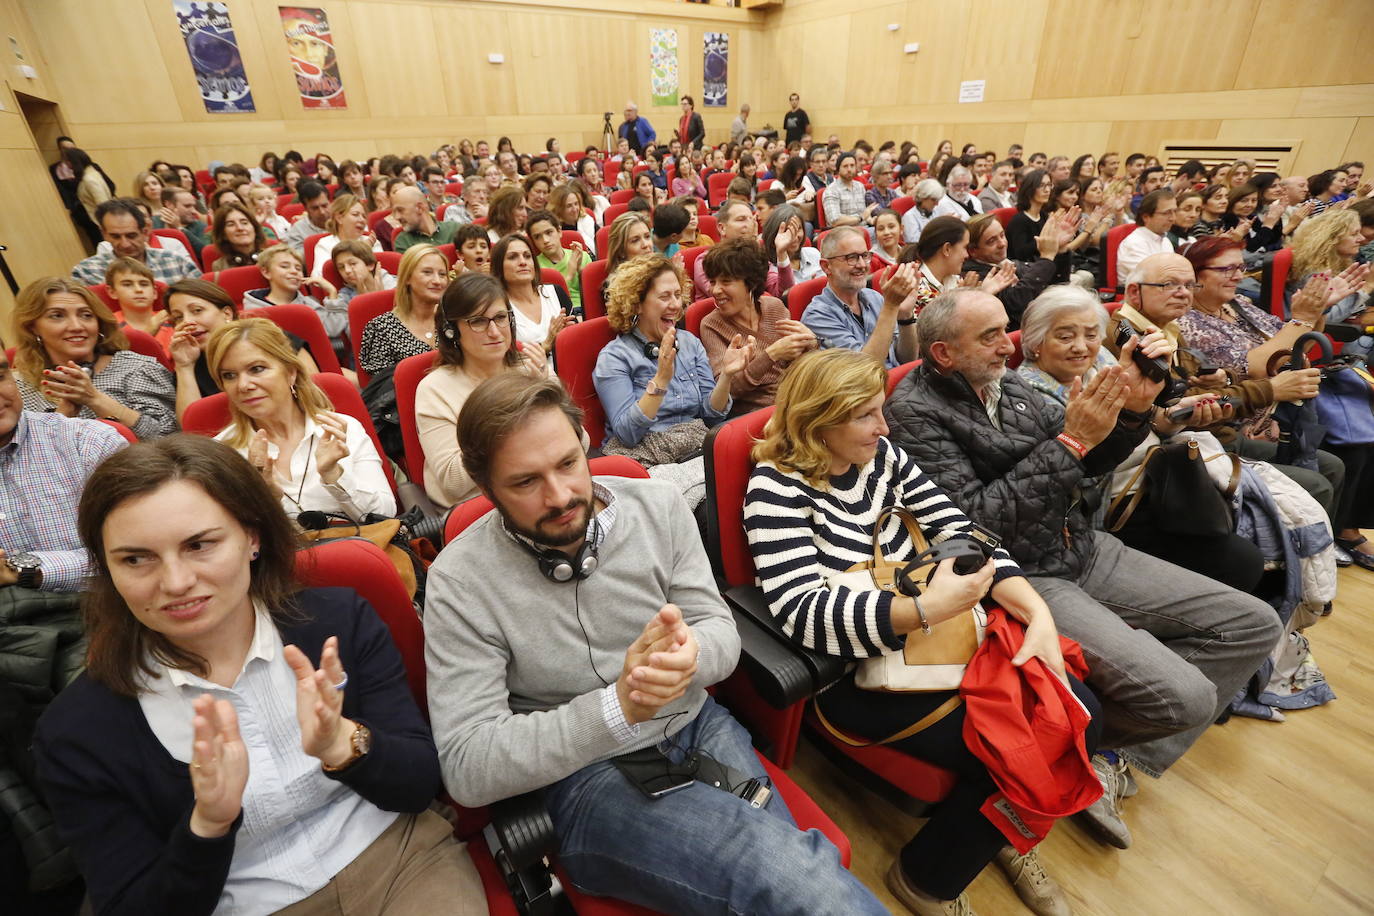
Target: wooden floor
{"x":1258,"y":817}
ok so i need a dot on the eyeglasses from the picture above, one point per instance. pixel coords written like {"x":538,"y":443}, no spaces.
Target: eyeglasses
{"x":1175,"y":286}
{"x":480,"y":323}
{"x":1226,"y":269}
{"x":852,"y":260}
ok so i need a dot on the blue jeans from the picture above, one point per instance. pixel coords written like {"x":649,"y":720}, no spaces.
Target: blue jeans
{"x":698,"y":850}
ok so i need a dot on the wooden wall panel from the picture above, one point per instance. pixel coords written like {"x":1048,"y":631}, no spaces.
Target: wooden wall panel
{"x":1361,"y":145}
{"x":997,"y":49}
{"x":1323,"y":139}
{"x":1148,"y":136}
{"x":1313,"y":43}
{"x":1085,"y":48}
{"x":1182,"y":48}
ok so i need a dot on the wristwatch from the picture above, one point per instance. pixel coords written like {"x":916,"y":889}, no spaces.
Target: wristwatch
{"x":362,"y":743}
{"x":28,"y":567}
{"x":654,"y":390}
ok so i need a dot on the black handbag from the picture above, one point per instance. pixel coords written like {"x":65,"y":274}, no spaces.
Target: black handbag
{"x":1179,"y":494}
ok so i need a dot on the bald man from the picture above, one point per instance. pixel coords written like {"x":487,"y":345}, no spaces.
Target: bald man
{"x":412,"y":211}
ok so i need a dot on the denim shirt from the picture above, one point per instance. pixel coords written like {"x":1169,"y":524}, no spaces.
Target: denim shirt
{"x":836,"y":326}
{"x":623,"y":371}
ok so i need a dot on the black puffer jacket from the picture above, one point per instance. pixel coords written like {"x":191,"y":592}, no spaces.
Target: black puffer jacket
{"x":1016,"y":481}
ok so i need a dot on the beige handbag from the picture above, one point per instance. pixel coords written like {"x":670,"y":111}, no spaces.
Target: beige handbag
{"x":927,"y":662}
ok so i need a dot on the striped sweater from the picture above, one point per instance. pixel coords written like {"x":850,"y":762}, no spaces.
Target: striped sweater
{"x":799,"y":535}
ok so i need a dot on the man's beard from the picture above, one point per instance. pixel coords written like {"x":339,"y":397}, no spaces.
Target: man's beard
{"x":980,"y":377}
{"x":536,"y":534}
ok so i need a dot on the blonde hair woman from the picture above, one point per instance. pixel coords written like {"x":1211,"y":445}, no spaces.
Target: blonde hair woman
{"x":630,"y":236}
{"x":347,"y":223}
{"x":408,"y":328}
{"x":655,"y":381}
{"x":148,"y":188}
{"x":71,"y":356}
{"x":825,"y":472}
{"x":312,"y":458}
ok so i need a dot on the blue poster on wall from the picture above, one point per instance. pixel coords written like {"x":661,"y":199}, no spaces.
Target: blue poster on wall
{"x":214,"y":53}
{"x":715,"y":67}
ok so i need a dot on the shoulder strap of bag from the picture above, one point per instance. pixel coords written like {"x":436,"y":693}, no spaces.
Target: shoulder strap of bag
{"x":1130,"y":496}
{"x":913,"y":530}
{"x":935,"y":715}
{"x":1230,"y":490}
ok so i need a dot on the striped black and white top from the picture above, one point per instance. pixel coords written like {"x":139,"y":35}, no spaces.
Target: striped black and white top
{"x":799,"y":535}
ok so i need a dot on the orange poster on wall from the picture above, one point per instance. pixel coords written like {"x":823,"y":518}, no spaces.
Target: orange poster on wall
{"x":313,"y":57}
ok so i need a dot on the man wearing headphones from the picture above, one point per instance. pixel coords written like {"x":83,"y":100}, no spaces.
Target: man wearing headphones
{"x":570,"y":637}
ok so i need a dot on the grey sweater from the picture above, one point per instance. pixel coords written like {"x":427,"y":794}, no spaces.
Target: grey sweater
{"x":514,"y":701}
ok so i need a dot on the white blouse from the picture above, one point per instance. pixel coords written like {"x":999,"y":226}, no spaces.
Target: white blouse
{"x":530,"y":332}
{"x":360,"y":489}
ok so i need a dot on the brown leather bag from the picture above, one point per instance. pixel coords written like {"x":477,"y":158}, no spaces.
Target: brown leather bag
{"x":382,"y":534}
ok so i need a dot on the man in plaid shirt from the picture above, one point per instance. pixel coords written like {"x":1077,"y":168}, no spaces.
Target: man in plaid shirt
{"x":125,"y":226}
{"x":45,"y":459}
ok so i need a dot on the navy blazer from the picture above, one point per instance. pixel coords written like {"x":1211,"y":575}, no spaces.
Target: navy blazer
{"x":123,"y":804}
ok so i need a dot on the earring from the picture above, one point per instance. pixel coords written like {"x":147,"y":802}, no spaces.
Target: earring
{"x":255,"y":555}
{"x":293,"y":389}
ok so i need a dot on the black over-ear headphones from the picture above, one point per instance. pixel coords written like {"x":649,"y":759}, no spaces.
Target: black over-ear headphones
{"x":559,"y":567}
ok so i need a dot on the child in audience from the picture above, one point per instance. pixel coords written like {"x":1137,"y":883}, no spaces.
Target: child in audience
{"x":357,"y":266}
{"x":544,"y":231}
{"x":284,"y":269}
{"x":134,"y":289}
{"x":473,"y":247}
{"x":691,"y":237}
{"x":670,"y":221}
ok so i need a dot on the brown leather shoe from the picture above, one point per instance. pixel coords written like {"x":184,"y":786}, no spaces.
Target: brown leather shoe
{"x":1037,"y":890}
{"x":921,"y":903}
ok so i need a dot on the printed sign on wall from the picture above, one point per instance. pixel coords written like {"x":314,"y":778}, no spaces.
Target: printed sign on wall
{"x":214,"y":53}
{"x":663,"y":66}
{"x":715,"y":68}
{"x":313,"y":57}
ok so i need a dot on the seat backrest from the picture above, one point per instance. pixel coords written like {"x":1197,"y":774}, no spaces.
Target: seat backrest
{"x":727,"y":477}
{"x":549,"y":275}
{"x":454,"y":187}
{"x":310,"y":242}
{"x":716,"y":186}
{"x":406,"y":379}
{"x":348,"y":400}
{"x":179,"y":236}
{"x":593,"y":275}
{"x":207,"y":416}
{"x":102,"y":293}
{"x":897,"y":373}
{"x":572,"y":237}
{"x":389,"y":260}
{"x":208,"y":256}
{"x":470,"y":510}
{"x":148,"y":345}
{"x":449,"y":251}
{"x":1003,"y":214}
{"x":360,"y":565}
{"x":1114,"y":237}
{"x":613,"y":211}
{"x":1015,"y":359}
{"x":820,"y":209}
{"x":302,"y":321}
{"x":696,"y":312}
{"x":375,"y":217}
{"x":575,"y":350}
{"x":239,"y":280}
{"x":621,"y":196}
{"x":120,"y":428}
{"x":902,"y":204}
{"x":800,"y":296}
{"x":707,"y":226}
{"x":361,"y":310}
{"x":1279,"y":270}
{"x":289,"y":212}
{"x":689,"y":259}
{"x":603,"y":239}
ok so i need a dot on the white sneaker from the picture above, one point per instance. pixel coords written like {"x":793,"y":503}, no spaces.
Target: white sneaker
{"x":1040,"y":893}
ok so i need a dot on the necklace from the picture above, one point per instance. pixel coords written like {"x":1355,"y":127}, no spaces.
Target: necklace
{"x":310,"y":451}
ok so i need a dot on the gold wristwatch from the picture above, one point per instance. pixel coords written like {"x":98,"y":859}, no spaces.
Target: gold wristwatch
{"x":362,"y":743}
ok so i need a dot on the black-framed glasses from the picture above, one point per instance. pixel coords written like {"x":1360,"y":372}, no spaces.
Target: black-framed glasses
{"x":1226,"y":269}
{"x":852,"y":260}
{"x":480,"y":323}
{"x":1175,"y":286}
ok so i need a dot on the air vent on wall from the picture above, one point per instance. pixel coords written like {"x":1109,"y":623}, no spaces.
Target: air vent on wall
{"x":1268,"y":155}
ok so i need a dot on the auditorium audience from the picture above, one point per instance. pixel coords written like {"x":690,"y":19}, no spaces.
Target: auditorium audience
{"x":1032,"y":206}
{"x":417,"y":223}
{"x":71,"y":357}
{"x":311,"y":458}
{"x":505,"y":214}
{"x":844,"y":196}
{"x":540,"y":309}
{"x":928,"y":194}
{"x":1154,"y":218}
{"x":131,"y":285}
{"x":347,"y":223}
{"x":941,"y":257}
{"x":408,"y":327}
{"x":544,"y":232}
{"x":987,"y":251}
{"x":887,"y":236}
{"x":1215,"y":198}
{"x":848,"y":314}
{"x":238,"y":236}
{"x":825,"y":472}
{"x":629,"y":237}
{"x":210,"y":757}
{"x":959,"y":200}
{"x":357,"y":266}
{"x":1015,"y":463}
{"x":180,"y":211}
{"x":1187,"y":211}
{"x":738,"y":273}
{"x":284,"y":271}
{"x":147,"y":189}
{"x":125,"y":226}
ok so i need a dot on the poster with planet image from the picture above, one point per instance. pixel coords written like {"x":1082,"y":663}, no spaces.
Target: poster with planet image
{"x":214,"y":53}
{"x":313,"y":57}
{"x":715,"y":68}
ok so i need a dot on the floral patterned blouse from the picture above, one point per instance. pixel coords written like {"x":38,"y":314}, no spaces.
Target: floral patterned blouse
{"x":1228,"y":344}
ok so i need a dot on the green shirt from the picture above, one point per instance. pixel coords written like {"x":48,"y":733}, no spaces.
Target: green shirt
{"x":443,"y":235}
{"x":571,"y":269}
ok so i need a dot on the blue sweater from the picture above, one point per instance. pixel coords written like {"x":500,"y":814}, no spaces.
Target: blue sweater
{"x":123,"y":804}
